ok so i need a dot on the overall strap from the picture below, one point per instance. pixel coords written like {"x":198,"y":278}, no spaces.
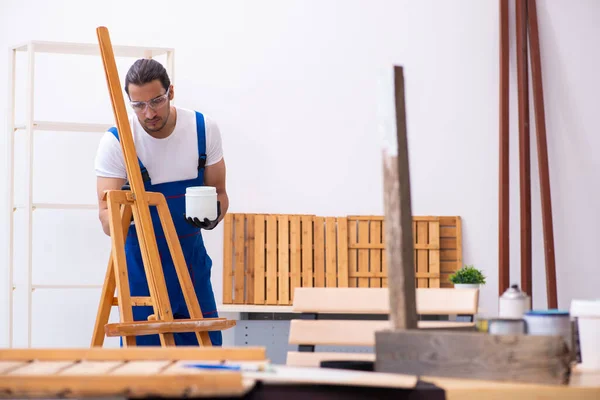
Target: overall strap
{"x":145,"y":174}
{"x":201,"y":132}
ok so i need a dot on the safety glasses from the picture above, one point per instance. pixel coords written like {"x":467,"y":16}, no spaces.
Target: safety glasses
{"x":155,"y":103}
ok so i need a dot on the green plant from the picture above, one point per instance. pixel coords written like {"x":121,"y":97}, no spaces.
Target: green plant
{"x":468,"y":274}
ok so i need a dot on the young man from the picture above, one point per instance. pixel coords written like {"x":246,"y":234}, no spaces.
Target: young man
{"x":176,"y":148}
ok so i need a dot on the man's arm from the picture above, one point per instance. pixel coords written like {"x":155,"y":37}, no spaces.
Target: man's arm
{"x":215,"y":175}
{"x":102,"y":185}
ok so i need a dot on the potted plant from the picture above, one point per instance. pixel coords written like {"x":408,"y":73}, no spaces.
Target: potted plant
{"x":468,"y":277}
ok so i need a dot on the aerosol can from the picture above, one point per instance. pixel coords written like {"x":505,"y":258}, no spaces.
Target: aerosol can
{"x":514,"y":303}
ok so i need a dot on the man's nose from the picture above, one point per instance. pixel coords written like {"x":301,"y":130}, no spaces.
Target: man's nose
{"x":149,"y":113}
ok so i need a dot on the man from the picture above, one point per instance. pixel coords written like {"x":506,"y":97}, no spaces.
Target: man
{"x":176,"y":148}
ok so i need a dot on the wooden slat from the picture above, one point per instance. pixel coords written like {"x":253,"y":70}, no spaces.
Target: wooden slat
{"x":271,"y":281}
{"x":447,"y":221}
{"x":434,"y":254}
{"x":141,"y":368}
{"x":239,"y":253}
{"x":227,"y":259}
{"x":342,"y":252}
{"x":85,"y":367}
{"x":283,"y":260}
{"x":6,"y":366}
{"x":448,"y":243}
{"x":363,"y":255}
{"x":330,"y":252}
{"x":375,"y":254}
{"x":135,"y":301}
{"x":459,"y":252}
{"x":250,"y":259}
{"x":422,"y":255}
{"x":259,"y":260}
{"x":448,"y":255}
{"x":379,"y":275}
{"x":295,"y":255}
{"x":307,"y":251}
{"x":133,"y":353}
{"x":159,"y":327}
{"x":313,"y":359}
{"x":319,"y":263}
{"x":352,"y":252}
{"x":447,"y":231}
{"x":40,"y":368}
{"x":448,"y":266}
{"x":384,"y":267}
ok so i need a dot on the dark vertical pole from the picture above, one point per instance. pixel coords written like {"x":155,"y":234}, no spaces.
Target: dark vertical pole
{"x":524,"y":146}
{"x":503,"y":209}
{"x":542,"y":149}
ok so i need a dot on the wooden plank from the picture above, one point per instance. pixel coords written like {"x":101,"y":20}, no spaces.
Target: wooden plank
{"x":459,"y":252}
{"x":133,"y":353}
{"x":239,"y":253}
{"x":434,"y":254}
{"x":363,"y":255}
{"x":342,"y":300}
{"x":375,"y":254}
{"x":319,"y":263}
{"x":384,"y":267}
{"x":228,"y":259}
{"x":161,"y":327}
{"x":283,"y":260}
{"x":40,"y":368}
{"x":342,"y":249}
{"x":447,"y":231}
{"x":352,"y":252}
{"x":422,"y":255}
{"x":271,"y":275}
{"x":7,"y":366}
{"x":524,"y":147}
{"x":448,"y":255}
{"x":517,"y":358}
{"x":218,"y":384}
{"x":313,"y":359}
{"x":398,"y":211}
{"x":145,"y":367}
{"x":448,"y":243}
{"x":448,"y":266}
{"x":307,"y":251}
{"x":259,"y":260}
{"x":250,"y":259}
{"x":295,"y":255}
{"x":85,"y":368}
{"x":330,"y":252}
{"x":542,"y":153}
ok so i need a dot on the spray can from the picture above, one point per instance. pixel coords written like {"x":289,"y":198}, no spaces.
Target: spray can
{"x":514,"y":303}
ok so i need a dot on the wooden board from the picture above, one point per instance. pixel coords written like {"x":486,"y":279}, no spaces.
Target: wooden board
{"x":516,"y":358}
{"x":267,"y":256}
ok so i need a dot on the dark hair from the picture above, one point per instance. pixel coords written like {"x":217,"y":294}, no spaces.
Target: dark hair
{"x":145,"y":70}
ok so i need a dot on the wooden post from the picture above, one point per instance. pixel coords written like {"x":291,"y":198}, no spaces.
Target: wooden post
{"x":503,"y":201}
{"x":524,"y":146}
{"x":540,"y":123}
{"x":398,"y":211}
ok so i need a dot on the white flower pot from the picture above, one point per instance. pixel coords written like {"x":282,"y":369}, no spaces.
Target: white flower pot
{"x":466,"y":285}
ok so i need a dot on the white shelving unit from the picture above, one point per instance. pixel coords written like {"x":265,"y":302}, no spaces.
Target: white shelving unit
{"x":32,"y":125}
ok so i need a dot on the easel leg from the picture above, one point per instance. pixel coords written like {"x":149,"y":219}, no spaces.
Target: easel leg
{"x":183,"y":274}
{"x":106,"y":301}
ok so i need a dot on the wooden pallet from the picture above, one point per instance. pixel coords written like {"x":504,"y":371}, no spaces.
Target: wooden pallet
{"x":130,"y":372}
{"x":266,"y":256}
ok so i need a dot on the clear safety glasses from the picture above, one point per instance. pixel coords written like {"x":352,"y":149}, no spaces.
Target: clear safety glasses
{"x":155,"y":103}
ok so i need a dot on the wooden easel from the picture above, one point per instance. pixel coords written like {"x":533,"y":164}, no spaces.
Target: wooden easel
{"x":122,"y":204}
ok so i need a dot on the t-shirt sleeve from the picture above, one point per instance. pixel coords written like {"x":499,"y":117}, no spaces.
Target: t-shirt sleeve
{"x":109,"y":162}
{"x":214,"y":145}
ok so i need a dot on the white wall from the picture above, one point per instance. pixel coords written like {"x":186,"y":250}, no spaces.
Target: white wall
{"x":302,"y":76}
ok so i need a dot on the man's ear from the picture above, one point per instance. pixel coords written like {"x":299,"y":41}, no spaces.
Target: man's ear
{"x":171,"y":92}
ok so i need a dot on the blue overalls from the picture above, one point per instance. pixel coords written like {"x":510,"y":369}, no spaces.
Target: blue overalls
{"x":197,"y":259}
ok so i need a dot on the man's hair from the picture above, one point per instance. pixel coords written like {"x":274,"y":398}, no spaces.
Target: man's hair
{"x":145,"y":70}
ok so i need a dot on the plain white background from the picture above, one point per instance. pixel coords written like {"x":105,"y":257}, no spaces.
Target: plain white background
{"x":293,"y":86}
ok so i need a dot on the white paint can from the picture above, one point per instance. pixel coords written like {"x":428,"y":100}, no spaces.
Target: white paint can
{"x":513,"y":303}
{"x":201,"y":202}
{"x":587,"y":315}
{"x":550,"y":323}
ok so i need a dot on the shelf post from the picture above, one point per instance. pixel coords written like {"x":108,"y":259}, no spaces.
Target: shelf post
{"x":10,"y":160}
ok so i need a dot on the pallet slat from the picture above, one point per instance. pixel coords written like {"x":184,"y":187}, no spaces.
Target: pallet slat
{"x":267,"y":256}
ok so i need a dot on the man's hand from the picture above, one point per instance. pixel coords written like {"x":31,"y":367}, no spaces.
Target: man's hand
{"x":103,"y":186}
{"x":206,"y":224}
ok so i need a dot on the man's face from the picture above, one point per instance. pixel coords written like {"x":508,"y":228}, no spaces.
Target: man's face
{"x":150,"y":104}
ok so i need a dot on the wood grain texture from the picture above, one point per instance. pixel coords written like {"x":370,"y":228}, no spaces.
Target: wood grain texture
{"x":228,"y":259}
{"x":503,"y":177}
{"x":239,"y":254}
{"x":524,"y":147}
{"x":398,"y":221}
{"x":307,"y":251}
{"x":542,"y":151}
{"x":523,"y":358}
{"x":342,"y":252}
{"x":260,"y":258}
{"x":154,"y":327}
{"x":283,"y":259}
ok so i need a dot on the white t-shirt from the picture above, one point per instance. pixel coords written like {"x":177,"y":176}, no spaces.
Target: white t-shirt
{"x":173,"y":158}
